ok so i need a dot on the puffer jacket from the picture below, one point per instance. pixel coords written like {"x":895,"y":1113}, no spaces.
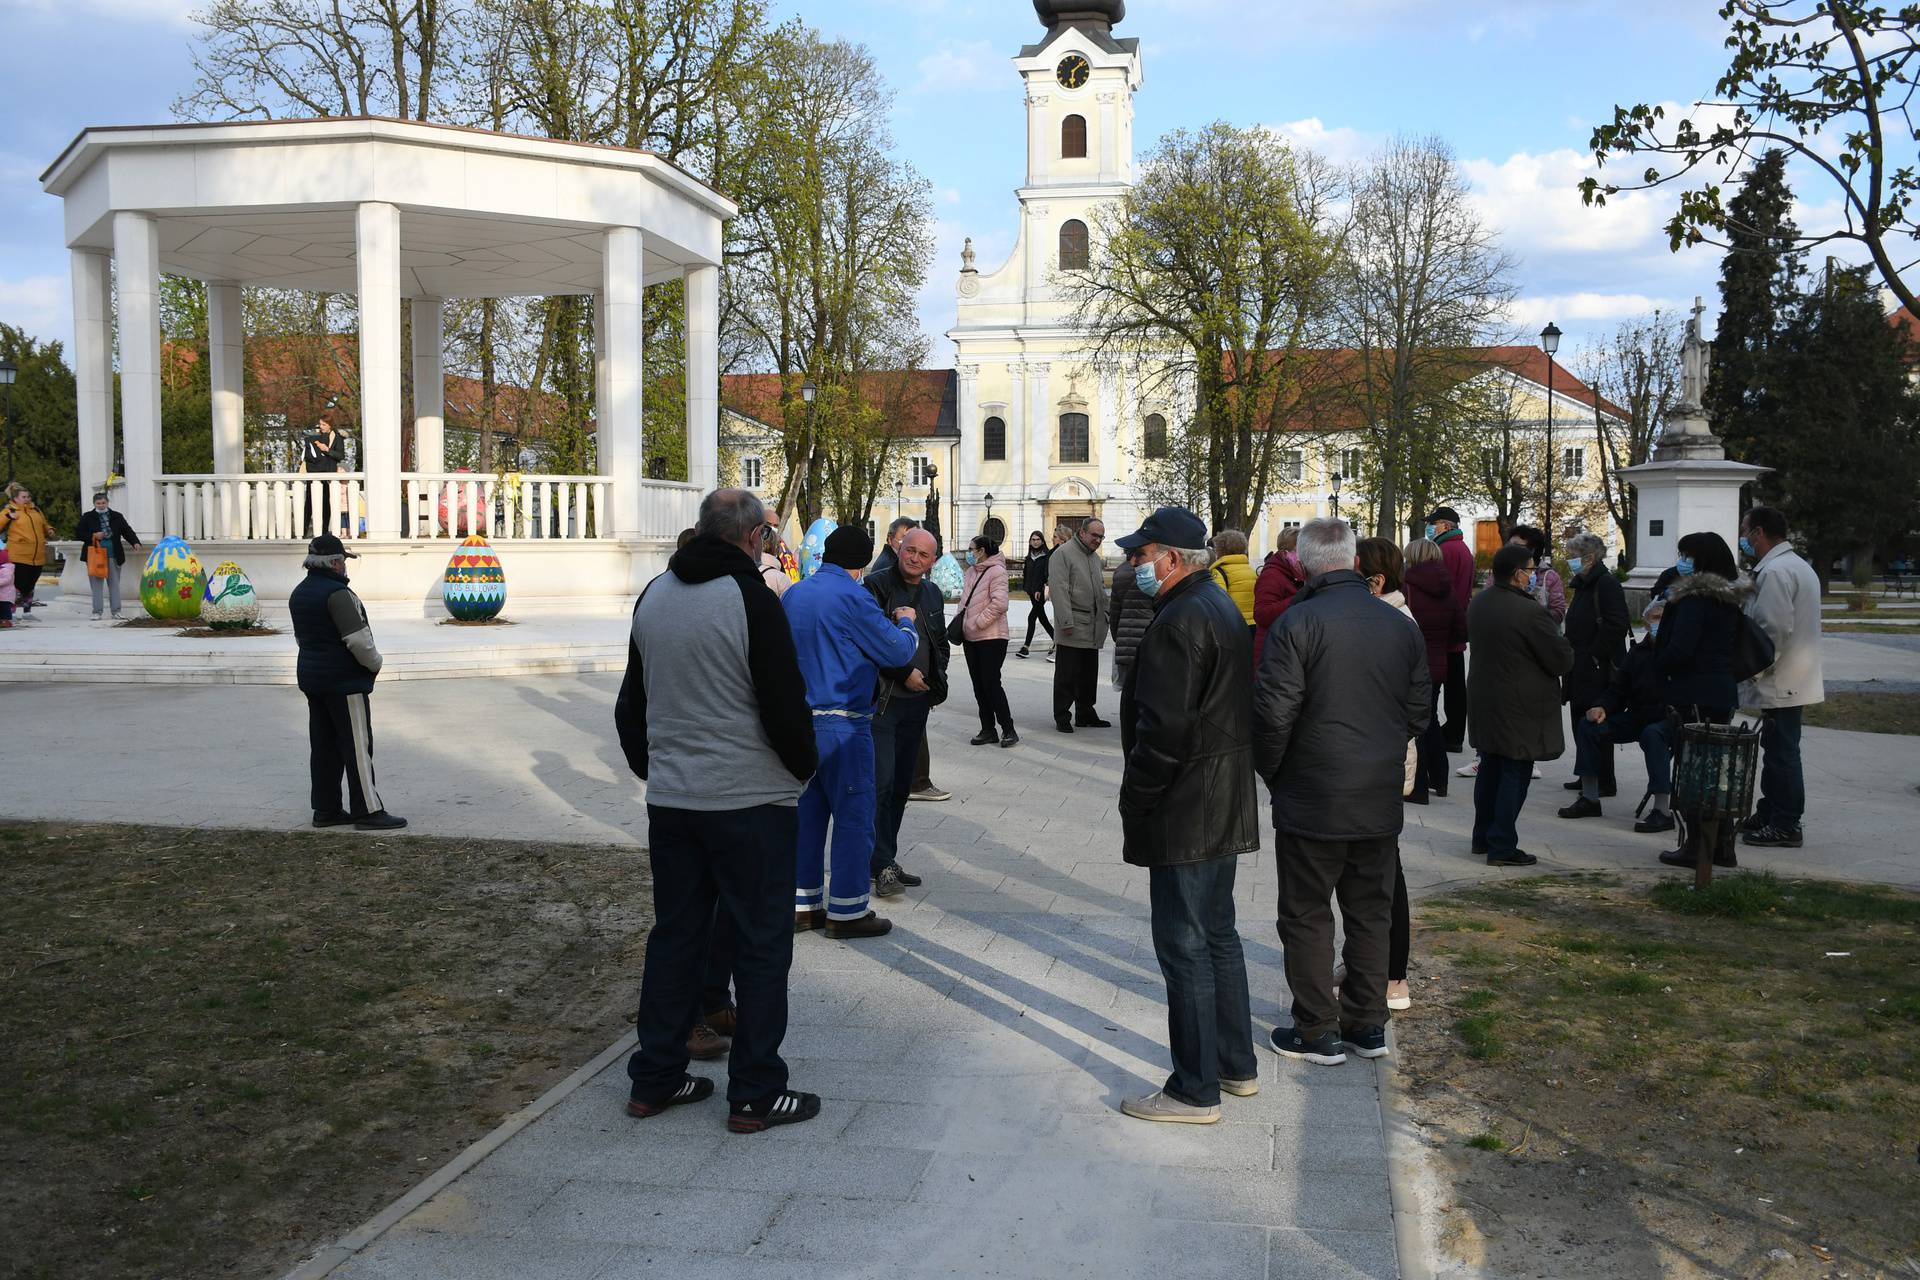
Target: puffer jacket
{"x":1343,"y":688}
{"x":1128,"y":613}
{"x":1279,"y":581}
{"x":1186,"y":732}
{"x":1442,"y":618}
{"x":1694,"y":649}
{"x":1237,"y":576}
{"x":27,"y":532}
{"x":984,"y":589}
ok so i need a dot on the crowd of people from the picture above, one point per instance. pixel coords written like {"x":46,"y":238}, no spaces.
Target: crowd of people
{"x":781,"y":724}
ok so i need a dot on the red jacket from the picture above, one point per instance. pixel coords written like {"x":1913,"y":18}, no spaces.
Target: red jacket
{"x":1458,"y":557}
{"x":1443,"y":623}
{"x":1273,"y":591}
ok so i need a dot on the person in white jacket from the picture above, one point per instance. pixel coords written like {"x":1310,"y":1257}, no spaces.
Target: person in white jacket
{"x":1786,"y":605}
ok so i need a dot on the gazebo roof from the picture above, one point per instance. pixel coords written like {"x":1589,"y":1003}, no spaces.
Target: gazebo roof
{"x":482,"y":214}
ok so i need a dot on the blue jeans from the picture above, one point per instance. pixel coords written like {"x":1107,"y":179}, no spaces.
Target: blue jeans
{"x":1209,"y":1021}
{"x":1783,"y":786}
{"x":1594,"y":743}
{"x":740,"y":862}
{"x":1499,"y":793}
{"x":841,"y":791}
{"x":897,"y":734}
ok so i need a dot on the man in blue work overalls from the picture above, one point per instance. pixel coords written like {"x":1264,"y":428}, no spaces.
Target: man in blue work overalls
{"x":843,"y":640}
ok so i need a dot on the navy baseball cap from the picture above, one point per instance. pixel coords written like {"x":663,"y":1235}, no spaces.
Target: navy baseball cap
{"x":328,"y":545}
{"x":1170,"y":527}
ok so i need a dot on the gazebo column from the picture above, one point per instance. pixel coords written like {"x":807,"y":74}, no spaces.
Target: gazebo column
{"x":377,"y":259}
{"x":429,"y":386}
{"x":226,"y":349}
{"x":136,"y":252}
{"x":620,"y":420}
{"x":93,"y":371}
{"x":703,"y":377}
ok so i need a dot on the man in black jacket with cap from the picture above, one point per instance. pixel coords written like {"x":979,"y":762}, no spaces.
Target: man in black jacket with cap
{"x":1187,"y":810}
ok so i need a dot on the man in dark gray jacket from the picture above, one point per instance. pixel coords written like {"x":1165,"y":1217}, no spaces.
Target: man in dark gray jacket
{"x":1343,"y":688}
{"x":713,"y":714}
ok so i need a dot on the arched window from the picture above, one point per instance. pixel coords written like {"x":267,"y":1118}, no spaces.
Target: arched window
{"x":1073,"y":138}
{"x":994,"y":440}
{"x":1073,"y":245}
{"x":1073,"y":437}
{"x":1154,"y":438}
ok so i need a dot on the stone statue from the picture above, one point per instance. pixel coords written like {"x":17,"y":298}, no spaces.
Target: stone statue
{"x":966,"y":255}
{"x":1693,"y":361}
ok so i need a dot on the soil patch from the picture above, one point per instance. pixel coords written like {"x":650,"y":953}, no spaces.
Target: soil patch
{"x":476,"y":622}
{"x":1868,"y":713}
{"x":1618,"y":1081}
{"x":224,"y":633}
{"x":224,"y":1049}
{"x":151,"y":624}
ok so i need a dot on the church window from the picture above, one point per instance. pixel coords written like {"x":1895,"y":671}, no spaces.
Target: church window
{"x":1073,"y":138}
{"x":1073,"y":245}
{"x":1154,"y":437}
{"x":994,"y":440}
{"x":1073,"y":437}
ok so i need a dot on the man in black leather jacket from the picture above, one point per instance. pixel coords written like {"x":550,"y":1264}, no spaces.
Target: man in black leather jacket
{"x":1343,"y":688}
{"x":1187,"y":810}
{"x":906,"y":696}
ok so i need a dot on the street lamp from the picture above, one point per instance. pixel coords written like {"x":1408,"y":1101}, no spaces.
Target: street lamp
{"x":1550,"y":343}
{"x":8,"y":372}
{"x":989,"y":506}
{"x":1336,"y":495}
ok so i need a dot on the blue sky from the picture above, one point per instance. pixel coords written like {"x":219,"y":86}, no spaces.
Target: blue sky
{"x":1513,"y":85}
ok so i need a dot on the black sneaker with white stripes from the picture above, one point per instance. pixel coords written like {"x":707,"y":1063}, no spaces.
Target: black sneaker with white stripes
{"x":692,"y":1089}
{"x":786,"y":1107}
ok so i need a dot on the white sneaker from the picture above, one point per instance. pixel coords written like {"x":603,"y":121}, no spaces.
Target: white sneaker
{"x":1050,"y":655}
{"x":1158,"y":1106}
{"x":1468,"y":770}
{"x":1537,"y":774}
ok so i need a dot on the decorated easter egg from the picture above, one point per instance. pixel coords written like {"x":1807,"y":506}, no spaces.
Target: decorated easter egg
{"x":173,"y":582}
{"x":229,"y":602}
{"x":947,"y":575}
{"x":814,"y":545}
{"x":475,"y":586}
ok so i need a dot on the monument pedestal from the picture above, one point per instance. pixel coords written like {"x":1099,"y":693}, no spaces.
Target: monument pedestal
{"x":1681,"y":496}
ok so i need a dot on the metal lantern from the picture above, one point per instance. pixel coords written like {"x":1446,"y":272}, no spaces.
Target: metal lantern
{"x":1713,"y":766}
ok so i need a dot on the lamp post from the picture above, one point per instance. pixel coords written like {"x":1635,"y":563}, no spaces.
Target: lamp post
{"x":807,"y":393}
{"x":1550,"y":343}
{"x":989,"y":519}
{"x":1336,"y":495}
{"x":8,"y":372}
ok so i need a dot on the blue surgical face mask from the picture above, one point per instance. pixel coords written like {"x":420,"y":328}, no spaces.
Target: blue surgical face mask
{"x":1653,"y":629}
{"x":1683,"y":566}
{"x":1746,"y":547}
{"x":1145,"y":579}
{"x":971,"y":558}
{"x":1431,"y":533}
{"x":1574,"y":563}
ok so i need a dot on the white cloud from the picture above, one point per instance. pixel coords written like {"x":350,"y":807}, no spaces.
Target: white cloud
{"x":976,"y":64}
{"x":1589,"y":310}
{"x":38,"y":304}
{"x":1341,"y":145}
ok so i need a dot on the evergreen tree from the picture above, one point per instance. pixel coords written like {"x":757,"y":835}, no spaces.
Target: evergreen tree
{"x":1759,"y":278}
{"x":1847,"y":459}
{"x":44,"y":433}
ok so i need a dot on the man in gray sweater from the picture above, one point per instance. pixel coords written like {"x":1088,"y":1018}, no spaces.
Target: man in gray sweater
{"x":713,"y":715}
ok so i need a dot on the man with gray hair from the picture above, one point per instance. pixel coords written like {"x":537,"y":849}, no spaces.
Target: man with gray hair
{"x":1343,"y":687}
{"x":336,"y":669}
{"x":1187,"y":810}
{"x":713,"y":715}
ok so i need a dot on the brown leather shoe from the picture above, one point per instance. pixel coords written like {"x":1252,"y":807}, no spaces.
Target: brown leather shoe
{"x":723,"y":1021}
{"x":867,"y":926}
{"x":704,"y":1045}
{"x":807,"y":921}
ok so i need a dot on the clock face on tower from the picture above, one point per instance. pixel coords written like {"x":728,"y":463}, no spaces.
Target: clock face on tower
{"x":1073,"y":71}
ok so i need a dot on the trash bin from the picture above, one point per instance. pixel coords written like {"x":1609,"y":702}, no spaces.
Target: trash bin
{"x":1713,"y":767}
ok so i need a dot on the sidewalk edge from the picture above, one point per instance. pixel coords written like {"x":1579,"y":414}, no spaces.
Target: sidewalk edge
{"x":1412,"y":1243}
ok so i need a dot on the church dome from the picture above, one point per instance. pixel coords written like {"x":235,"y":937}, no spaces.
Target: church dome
{"x":1103,"y":13}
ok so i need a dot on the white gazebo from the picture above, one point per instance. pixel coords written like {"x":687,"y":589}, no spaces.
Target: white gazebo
{"x":391,"y":211}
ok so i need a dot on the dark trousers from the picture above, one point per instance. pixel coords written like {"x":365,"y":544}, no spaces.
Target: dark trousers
{"x":1431,"y":773}
{"x":1312,"y":873}
{"x":899,"y":733}
{"x":340,"y":741}
{"x":841,"y":794}
{"x":1454,"y":700}
{"x":1594,"y":743}
{"x":1499,"y":793}
{"x":985,"y":658}
{"x":1400,"y":944}
{"x":1783,"y":785}
{"x":25,"y":577}
{"x":716,"y":992}
{"x":1601,"y":765}
{"x":923,"y":767}
{"x":1209,"y":1018}
{"x":1076,"y":679}
{"x":1036,"y":616}
{"x":738,"y":862}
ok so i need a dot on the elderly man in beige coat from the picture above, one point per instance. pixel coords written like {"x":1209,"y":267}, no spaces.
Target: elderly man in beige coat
{"x":1786,"y":604}
{"x":1077,"y":586}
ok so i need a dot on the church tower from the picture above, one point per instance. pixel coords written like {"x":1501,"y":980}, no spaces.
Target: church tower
{"x":1046,"y":435}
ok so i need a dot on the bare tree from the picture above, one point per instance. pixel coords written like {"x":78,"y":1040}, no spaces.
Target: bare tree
{"x":270,"y":59}
{"x":1426,"y":287}
{"x":1635,"y":369}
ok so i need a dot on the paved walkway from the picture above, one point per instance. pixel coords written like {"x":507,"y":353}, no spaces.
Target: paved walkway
{"x":971,"y":1063}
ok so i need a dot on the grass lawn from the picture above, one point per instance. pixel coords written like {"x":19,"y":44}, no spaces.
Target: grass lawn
{"x":1867,"y":712}
{"x":223,"y":1049}
{"x":1622,"y":1080}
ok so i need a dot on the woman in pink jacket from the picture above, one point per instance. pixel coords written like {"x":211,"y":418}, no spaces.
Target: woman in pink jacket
{"x":983,"y":630}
